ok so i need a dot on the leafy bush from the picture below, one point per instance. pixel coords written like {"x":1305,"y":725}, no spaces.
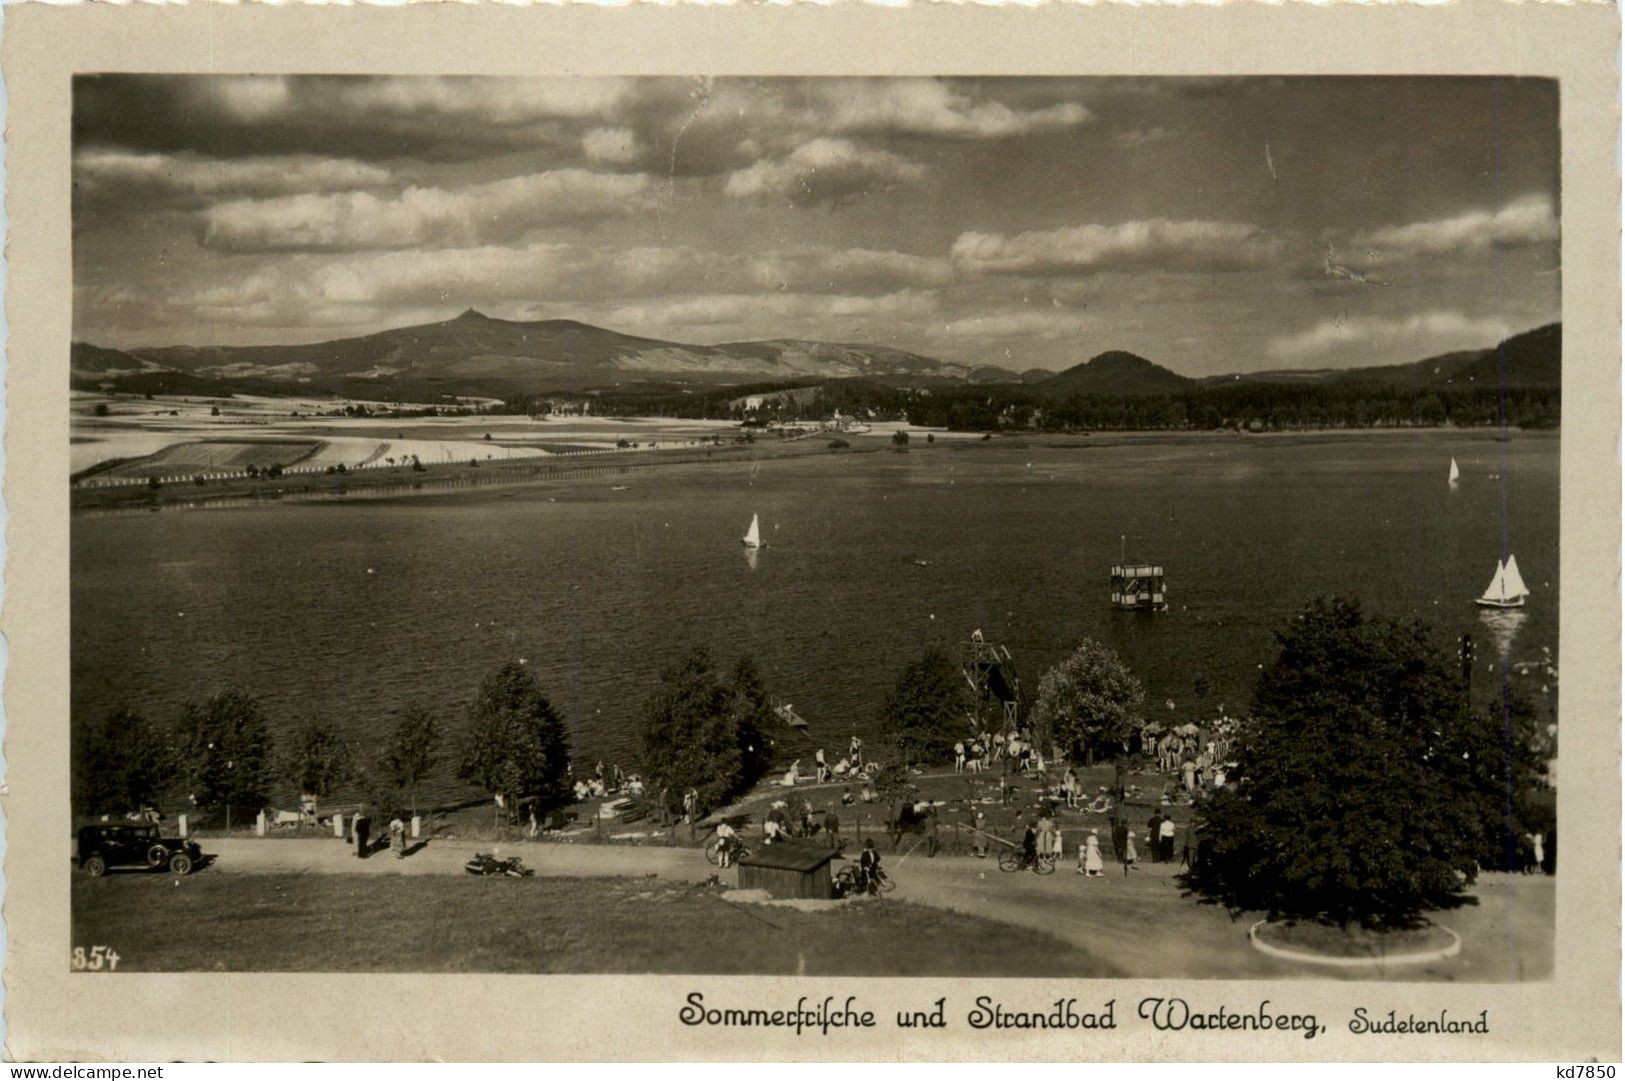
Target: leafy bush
{"x":223,"y":751}
{"x":1088,"y":704}
{"x":317,"y":761}
{"x":928,"y":709}
{"x":703,"y":733}
{"x":412,"y":753}
{"x":121,"y":764}
{"x":517,"y":747}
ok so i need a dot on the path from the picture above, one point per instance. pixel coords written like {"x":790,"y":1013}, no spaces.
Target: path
{"x":1139,"y":924}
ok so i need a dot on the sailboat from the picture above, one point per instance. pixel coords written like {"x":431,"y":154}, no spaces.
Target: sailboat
{"x":1455,"y":473}
{"x":1506,"y":589}
{"x":753,"y":535}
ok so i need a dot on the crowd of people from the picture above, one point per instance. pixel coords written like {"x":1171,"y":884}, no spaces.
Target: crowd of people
{"x":604,"y":783}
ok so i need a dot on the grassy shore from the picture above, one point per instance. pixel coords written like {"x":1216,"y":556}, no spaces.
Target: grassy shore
{"x":440,"y":476}
{"x":214,"y":921}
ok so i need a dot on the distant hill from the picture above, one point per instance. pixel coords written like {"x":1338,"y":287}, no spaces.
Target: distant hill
{"x":474,"y":354}
{"x":837,"y":360}
{"x":1114,"y":372}
{"x":1533,"y":358}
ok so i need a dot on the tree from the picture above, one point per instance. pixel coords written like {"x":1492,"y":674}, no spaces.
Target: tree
{"x":753,"y":718}
{"x":412,"y":753}
{"x":223,"y":750}
{"x":1368,"y":788}
{"x":1501,"y":748}
{"x":1087,"y":703}
{"x":123,"y":764}
{"x":316,"y":761}
{"x":517,"y":747}
{"x":928,"y":709}
{"x":703,"y":734}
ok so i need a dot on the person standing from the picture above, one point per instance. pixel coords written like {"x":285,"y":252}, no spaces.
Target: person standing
{"x":832,"y":828}
{"x":1046,"y":835}
{"x":1092,"y":863}
{"x":397,"y":834}
{"x":363,"y":829}
{"x":823,"y":768}
{"x":1120,"y":838}
{"x":979,"y":838}
{"x":726,"y":839}
{"x":931,"y":833}
{"x":855,"y":751}
{"x":959,"y":756}
{"x":1153,"y":833}
{"x":868,"y":866}
{"x":1168,"y":831}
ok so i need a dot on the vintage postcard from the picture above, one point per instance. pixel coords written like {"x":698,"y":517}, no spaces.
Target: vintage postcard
{"x":936,"y":534}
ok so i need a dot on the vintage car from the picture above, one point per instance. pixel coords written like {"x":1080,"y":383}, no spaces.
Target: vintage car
{"x":133,"y":844}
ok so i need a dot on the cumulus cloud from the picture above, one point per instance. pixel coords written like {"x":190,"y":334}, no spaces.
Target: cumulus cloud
{"x":824,"y":171}
{"x":1418,"y":334}
{"x":98,"y":173}
{"x":928,"y":107}
{"x":421,"y":216}
{"x":768,"y":312}
{"x":500,"y":100}
{"x":393,"y":288}
{"x":1524,"y":221}
{"x":1031,"y":323}
{"x":611,"y":146}
{"x":249,"y":97}
{"x":1158,"y":244}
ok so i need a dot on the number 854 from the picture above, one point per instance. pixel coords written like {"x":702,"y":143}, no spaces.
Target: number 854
{"x":98,"y":958}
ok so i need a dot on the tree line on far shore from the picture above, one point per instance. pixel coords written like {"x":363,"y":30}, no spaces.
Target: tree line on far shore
{"x":1365,"y":785}
{"x":1014,"y":407}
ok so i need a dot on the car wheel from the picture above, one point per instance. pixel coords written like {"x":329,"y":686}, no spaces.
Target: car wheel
{"x":157,"y":856}
{"x":95,"y":867}
{"x":180,"y":864}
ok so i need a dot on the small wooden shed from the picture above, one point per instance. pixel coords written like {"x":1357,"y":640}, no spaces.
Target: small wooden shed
{"x":788,"y":870}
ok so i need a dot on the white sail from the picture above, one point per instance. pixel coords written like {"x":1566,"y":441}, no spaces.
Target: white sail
{"x":1455,"y":472}
{"x":1512,"y":582}
{"x":1496,"y":590}
{"x":753,"y":535}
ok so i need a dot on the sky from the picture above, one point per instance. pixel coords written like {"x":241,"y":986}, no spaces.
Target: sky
{"x":1210,"y":225}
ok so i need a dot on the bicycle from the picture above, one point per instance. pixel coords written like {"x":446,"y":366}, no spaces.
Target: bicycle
{"x":1013,"y":861}
{"x":737,"y":851}
{"x":850,"y":880}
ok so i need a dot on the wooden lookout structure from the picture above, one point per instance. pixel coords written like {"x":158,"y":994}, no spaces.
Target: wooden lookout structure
{"x":1139,"y":587}
{"x":789,"y":870}
{"x":991,"y":674}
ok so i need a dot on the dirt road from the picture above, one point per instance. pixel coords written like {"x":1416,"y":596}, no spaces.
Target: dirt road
{"x":1139,"y":923}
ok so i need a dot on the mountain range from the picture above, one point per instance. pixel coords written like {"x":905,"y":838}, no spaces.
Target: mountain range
{"x":474,"y":355}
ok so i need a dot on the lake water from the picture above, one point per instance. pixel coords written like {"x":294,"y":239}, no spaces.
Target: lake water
{"x":351,"y":610}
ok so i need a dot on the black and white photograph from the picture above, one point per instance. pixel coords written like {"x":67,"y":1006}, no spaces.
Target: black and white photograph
{"x":1097,"y":527}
